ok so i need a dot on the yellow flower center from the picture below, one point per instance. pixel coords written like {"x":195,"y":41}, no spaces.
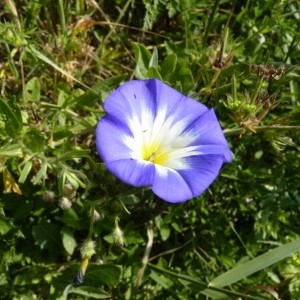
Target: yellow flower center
{"x":154,"y":153}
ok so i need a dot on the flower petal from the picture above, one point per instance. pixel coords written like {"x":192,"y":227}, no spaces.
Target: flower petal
{"x":169,"y":185}
{"x":177,"y":105}
{"x":209,"y":134}
{"x":110,"y":136}
{"x":132,"y":102}
{"x":179,"y":186}
{"x":133,"y":172}
{"x":204,"y":170}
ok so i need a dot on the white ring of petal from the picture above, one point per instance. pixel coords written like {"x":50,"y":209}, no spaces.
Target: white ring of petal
{"x":159,"y":140}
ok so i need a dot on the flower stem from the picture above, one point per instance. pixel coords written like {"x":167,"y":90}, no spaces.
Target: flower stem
{"x":91,"y":229}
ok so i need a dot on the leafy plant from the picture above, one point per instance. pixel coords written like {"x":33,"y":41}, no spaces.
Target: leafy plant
{"x":59,"y":62}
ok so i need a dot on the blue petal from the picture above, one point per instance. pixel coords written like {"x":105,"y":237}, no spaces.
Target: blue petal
{"x":209,"y":133}
{"x":179,"y":186}
{"x":178,"y":106}
{"x":131,"y":99}
{"x":204,"y":170}
{"x":133,"y":172}
{"x":110,"y":135}
{"x":170,"y":186}
{"x":137,"y":97}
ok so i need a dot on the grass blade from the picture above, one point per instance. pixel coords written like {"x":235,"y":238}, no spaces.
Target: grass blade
{"x":254,"y":265}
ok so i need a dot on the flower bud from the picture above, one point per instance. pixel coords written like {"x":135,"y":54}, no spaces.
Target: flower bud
{"x":65,"y":203}
{"x":96,"y":216}
{"x":69,"y":191}
{"x":49,"y":196}
{"x":87,"y":250}
{"x":118,"y":236}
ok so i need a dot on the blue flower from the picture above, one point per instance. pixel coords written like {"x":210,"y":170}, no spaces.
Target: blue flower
{"x":154,"y":136}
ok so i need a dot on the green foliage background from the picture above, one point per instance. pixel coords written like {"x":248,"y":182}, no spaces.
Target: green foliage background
{"x":59,"y":60}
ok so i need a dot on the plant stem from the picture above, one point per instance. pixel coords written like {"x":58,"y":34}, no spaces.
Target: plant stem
{"x":210,"y":20}
{"x":91,"y":229}
{"x":237,"y":131}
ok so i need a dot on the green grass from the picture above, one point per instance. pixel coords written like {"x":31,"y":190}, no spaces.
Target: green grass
{"x":59,"y":60}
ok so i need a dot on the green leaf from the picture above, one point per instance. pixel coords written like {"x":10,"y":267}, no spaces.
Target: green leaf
{"x":168,"y":66}
{"x":74,"y":180}
{"x":35,"y":140}
{"x":5,"y":226}
{"x":12,"y":113}
{"x":90,"y":292}
{"x":33,"y":89}
{"x":71,"y":219}
{"x":153,"y":72}
{"x":42,"y":173}
{"x":31,"y":276}
{"x":184,"y":75}
{"x":25,"y":171}
{"x":202,"y":287}
{"x":254,"y":265}
{"x":100,"y":91}
{"x":164,"y":231}
{"x":11,"y":150}
{"x":69,"y":155}
{"x":45,"y":235}
{"x":68,"y":240}
{"x":48,"y":61}
{"x":61,"y":181}
{"x":142,"y":60}
{"x":108,"y":274}
{"x":154,"y":58}
{"x":161,"y":280}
